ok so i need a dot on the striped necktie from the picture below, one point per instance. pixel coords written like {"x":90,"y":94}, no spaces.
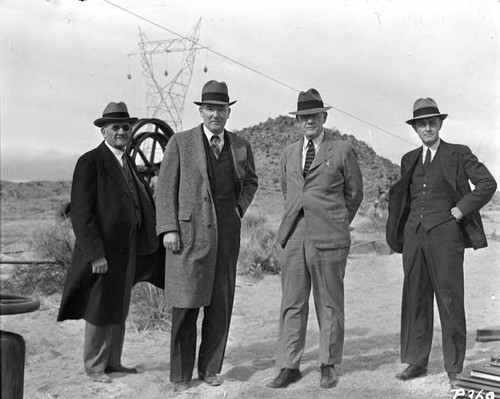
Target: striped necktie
{"x":310,"y":154}
{"x":215,"y":144}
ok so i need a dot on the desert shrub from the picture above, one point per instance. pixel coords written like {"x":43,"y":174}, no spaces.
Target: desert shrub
{"x":494,"y":236}
{"x":53,"y":243}
{"x":149,"y":308}
{"x":56,"y":242}
{"x":259,"y":252}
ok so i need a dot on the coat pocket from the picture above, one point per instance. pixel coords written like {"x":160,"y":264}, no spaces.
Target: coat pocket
{"x":337,"y":214}
{"x":186,"y":228}
{"x":330,"y":228}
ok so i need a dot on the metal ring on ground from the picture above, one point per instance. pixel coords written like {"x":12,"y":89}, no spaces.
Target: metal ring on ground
{"x":16,"y":304}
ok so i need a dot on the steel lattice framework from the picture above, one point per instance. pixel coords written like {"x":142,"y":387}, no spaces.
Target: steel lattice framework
{"x":165,"y":101}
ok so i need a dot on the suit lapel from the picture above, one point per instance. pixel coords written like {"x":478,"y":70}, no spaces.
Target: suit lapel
{"x":197,"y":150}
{"x":324,"y":152}
{"x":296,"y":157}
{"x":411,"y":160}
{"x":448,"y":159}
{"x":112,"y":167}
{"x":238,"y":154}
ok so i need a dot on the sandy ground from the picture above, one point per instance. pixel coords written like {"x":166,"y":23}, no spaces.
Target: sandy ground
{"x":54,"y":367}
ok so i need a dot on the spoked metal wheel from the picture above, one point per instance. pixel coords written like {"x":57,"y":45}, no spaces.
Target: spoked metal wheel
{"x":146,"y":148}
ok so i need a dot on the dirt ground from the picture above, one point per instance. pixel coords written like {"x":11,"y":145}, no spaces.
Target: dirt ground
{"x":54,"y":367}
{"x":373,"y":285}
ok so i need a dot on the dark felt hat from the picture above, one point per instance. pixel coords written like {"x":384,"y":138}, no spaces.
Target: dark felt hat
{"x":309,"y":102}
{"x":425,"y":108}
{"x":214,"y":93}
{"x":115,"y":112}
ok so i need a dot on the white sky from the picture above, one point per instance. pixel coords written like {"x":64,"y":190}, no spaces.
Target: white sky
{"x":62,"y":61}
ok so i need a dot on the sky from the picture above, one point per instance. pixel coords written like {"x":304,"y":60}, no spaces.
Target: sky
{"x":62,"y":61}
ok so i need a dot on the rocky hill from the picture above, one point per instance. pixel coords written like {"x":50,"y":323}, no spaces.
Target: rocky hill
{"x":34,"y":199}
{"x":29,"y":199}
{"x":268,"y":139}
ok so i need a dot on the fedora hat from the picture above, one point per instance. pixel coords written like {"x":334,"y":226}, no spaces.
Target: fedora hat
{"x":115,"y":112}
{"x":214,"y":93}
{"x":309,"y":102}
{"x":425,"y":108}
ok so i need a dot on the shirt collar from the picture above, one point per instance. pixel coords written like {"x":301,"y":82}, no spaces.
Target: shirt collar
{"x":316,"y":141}
{"x":209,"y":135}
{"x":433,"y":148}
{"x":116,"y":152}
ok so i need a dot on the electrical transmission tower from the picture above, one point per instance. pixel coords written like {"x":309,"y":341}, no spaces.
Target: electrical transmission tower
{"x":165,"y":100}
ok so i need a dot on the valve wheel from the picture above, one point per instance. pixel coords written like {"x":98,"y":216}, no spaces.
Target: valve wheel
{"x":146,"y":148}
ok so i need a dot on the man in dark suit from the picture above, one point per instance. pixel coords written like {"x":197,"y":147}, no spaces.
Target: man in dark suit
{"x":433,"y":216}
{"x":113,"y":217}
{"x":207,"y":181}
{"x":323,"y":188}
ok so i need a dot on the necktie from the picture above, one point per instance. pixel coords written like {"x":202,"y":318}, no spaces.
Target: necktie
{"x":427,"y":160}
{"x":215,"y":144}
{"x":126,"y":169}
{"x":129,"y":177}
{"x":309,"y":157}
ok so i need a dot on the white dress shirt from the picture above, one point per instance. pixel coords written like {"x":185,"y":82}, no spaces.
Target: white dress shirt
{"x":433,"y":149}
{"x":209,"y":135}
{"x":116,"y":152}
{"x":317,"y":143}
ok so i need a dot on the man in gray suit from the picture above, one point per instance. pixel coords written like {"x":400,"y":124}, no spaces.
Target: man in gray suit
{"x":206,"y":183}
{"x":323,"y":188}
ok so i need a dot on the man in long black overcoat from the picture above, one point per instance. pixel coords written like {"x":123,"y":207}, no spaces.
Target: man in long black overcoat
{"x":113,"y":217}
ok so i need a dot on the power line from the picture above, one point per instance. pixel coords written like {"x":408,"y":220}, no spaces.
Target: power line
{"x":204,"y":47}
{"x":373,"y":125}
{"x":251,"y":69}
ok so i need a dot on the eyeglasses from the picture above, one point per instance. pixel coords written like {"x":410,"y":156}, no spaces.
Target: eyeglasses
{"x":124,"y":127}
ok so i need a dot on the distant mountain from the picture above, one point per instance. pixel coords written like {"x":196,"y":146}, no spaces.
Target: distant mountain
{"x":33,"y":199}
{"x":32,"y":190}
{"x":268,"y":139}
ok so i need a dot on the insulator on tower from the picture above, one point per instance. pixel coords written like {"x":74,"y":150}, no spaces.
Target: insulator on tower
{"x":165,"y":96}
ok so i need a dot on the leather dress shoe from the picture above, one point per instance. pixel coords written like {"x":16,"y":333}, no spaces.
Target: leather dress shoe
{"x":453,"y":380}
{"x":329,"y":377}
{"x":411,"y":372}
{"x":100,"y":377}
{"x":209,"y":378}
{"x":285,"y":378}
{"x":121,"y":369}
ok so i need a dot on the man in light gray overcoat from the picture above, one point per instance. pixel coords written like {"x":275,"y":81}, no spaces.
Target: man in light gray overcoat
{"x":207,"y":181}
